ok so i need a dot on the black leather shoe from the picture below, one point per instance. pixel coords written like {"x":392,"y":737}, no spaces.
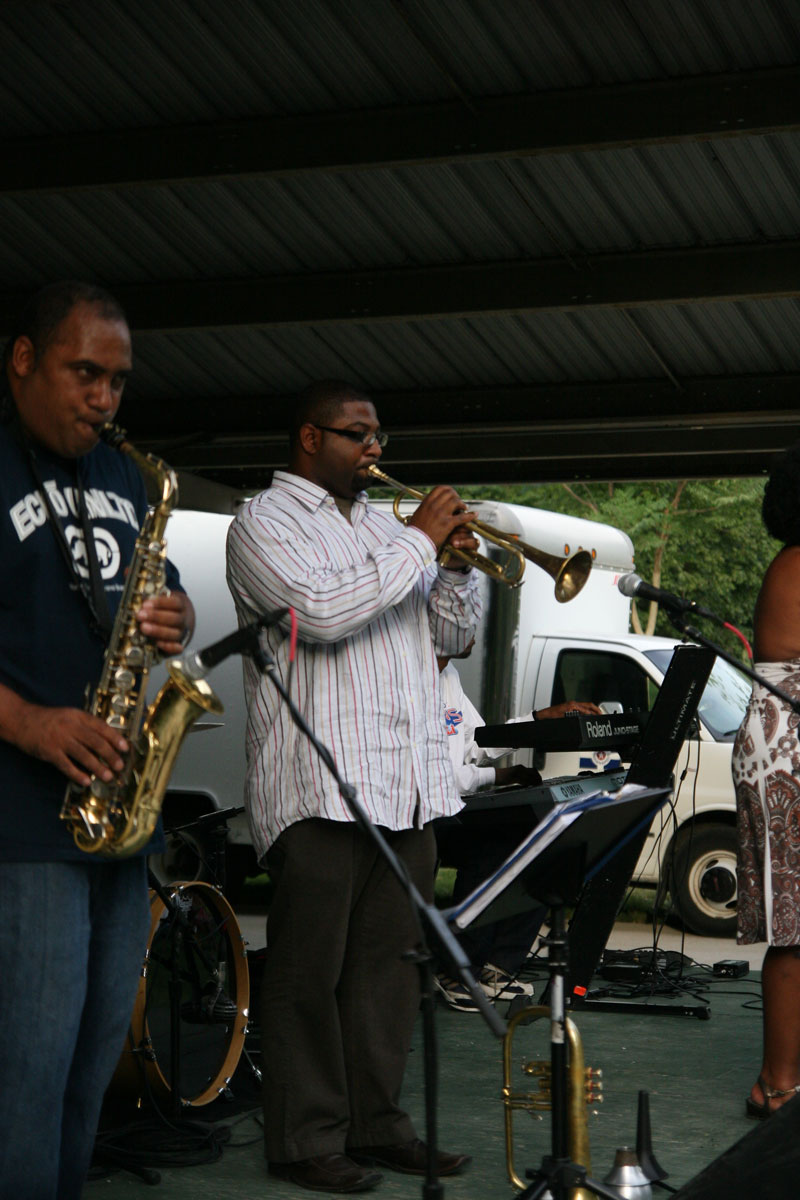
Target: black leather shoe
{"x":327,"y":1173}
{"x":409,"y":1157}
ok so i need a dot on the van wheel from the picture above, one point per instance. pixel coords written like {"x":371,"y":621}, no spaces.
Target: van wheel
{"x":703,"y":879}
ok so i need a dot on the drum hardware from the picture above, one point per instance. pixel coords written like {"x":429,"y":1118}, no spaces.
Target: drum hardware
{"x":204,"y":838}
{"x":192,"y":1007}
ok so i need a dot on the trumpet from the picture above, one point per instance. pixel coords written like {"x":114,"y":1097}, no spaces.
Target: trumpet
{"x":569,"y":574}
{"x":584,"y":1087}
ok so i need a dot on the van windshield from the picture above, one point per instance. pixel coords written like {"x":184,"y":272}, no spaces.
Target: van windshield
{"x":724,"y":699}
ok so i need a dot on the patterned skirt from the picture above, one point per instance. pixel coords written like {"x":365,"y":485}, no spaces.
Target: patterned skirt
{"x":766,"y":775}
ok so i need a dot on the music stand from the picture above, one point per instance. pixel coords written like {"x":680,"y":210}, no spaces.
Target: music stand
{"x":596,"y":911}
{"x":549,"y":867}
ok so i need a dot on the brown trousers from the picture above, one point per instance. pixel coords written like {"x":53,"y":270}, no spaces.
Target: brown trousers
{"x":338,"y":1000}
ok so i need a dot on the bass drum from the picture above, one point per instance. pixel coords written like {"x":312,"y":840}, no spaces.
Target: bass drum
{"x":195,"y":948}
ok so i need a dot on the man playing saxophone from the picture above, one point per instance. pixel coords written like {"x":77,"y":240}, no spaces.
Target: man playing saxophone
{"x":74,"y":927}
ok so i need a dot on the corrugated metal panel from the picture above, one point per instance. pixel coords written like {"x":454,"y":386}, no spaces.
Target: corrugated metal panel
{"x":117,"y":65}
{"x":699,"y":339}
{"x":682,"y":195}
{"x":83,"y":66}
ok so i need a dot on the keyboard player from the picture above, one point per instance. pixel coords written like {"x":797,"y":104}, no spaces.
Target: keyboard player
{"x":496,"y":951}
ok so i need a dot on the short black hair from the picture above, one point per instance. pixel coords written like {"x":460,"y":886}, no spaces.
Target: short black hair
{"x":44,"y":312}
{"x":321,"y":403}
{"x":780,"y":508}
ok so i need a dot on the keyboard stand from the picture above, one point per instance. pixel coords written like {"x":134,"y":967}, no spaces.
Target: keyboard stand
{"x":596,"y":1000}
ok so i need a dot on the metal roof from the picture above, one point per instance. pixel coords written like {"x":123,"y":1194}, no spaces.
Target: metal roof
{"x":553,"y":240}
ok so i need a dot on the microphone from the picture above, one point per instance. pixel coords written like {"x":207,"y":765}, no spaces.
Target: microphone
{"x":633,"y":585}
{"x":242,"y":641}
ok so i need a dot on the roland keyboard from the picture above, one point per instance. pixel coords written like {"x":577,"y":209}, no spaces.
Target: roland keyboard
{"x":544,"y":797}
{"x":581,"y":732}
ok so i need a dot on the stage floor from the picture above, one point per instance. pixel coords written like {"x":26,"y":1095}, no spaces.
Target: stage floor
{"x":696,"y":1071}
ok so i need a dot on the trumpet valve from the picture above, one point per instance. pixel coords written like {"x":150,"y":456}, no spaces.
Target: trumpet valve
{"x":593,"y":1079}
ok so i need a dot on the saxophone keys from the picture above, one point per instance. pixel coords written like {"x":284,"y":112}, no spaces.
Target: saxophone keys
{"x":125,"y":680}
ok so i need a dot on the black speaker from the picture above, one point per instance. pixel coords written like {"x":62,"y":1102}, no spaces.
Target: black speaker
{"x":764,"y":1163}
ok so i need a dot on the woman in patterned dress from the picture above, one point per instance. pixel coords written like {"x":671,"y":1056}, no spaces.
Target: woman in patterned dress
{"x":766,"y":773}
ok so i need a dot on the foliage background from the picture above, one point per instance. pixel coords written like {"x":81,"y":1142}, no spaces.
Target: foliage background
{"x":700,"y":538}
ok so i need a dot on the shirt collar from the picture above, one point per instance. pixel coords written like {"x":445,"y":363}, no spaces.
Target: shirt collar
{"x":309,"y":494}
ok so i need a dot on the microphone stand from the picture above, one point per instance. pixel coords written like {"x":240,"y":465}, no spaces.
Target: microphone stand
{"x":430,"y":924}
{"x":679,"y":616}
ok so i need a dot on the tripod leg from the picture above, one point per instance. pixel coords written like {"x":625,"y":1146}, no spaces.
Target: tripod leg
{"x":536,"y":1190}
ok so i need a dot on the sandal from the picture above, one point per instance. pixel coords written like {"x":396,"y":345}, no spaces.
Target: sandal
{"x":763,"y":1110}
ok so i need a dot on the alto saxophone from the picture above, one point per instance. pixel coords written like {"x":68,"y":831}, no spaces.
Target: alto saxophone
{"x":117,"y":819}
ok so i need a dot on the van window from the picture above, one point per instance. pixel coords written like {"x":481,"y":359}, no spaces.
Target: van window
{"x":604,"y":677}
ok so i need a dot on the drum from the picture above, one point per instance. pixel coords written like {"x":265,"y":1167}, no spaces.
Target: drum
{"x":191,"y":1010}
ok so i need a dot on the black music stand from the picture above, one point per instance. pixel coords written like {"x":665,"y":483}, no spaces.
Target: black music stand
{"x":571,"y":844}
{"x":669,"y":724}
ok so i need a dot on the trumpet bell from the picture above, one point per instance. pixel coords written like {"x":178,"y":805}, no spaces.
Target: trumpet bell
{"x":569,"y":574}
{"x":572,"y":576}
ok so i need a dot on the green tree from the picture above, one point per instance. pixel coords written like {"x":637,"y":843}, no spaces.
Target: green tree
{"x":701,"y":538}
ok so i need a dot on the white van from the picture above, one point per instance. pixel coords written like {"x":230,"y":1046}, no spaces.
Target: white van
{"x":209,"y":773}
{"x":530,"y":652}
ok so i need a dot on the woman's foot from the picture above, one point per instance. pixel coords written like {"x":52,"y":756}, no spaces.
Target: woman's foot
{"x":763,"y":1101}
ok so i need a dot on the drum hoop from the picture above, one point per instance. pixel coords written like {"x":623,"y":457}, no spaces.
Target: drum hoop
{"x":139,"y":1031}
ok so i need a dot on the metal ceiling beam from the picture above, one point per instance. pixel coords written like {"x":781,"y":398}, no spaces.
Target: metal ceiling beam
{"x":475,"y":289}
{"x":753,"y":460}
{"x":640,"y":403}
{"x":608,"y":468}
{"x":550,"y":122}
{"x":621,"y":435}
{"x":457,"y":450}
{"x":738,"y":272}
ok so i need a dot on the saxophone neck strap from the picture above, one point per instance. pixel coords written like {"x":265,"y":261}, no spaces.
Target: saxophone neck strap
{"x":92,"y":589}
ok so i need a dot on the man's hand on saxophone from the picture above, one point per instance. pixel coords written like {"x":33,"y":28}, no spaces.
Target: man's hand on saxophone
{"x":168,"y":619}
{"x":74,"y":741}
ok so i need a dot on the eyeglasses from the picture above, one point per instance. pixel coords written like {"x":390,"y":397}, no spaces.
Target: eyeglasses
{"x":366,"y":439}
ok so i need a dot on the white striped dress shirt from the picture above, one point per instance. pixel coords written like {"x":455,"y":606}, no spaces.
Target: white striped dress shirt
{"x":373,"y":610}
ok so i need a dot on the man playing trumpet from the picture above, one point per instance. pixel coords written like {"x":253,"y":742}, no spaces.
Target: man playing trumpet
{"x":373,"y":611}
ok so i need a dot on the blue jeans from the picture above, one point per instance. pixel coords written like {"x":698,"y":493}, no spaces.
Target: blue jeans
{"x":72,"y":940}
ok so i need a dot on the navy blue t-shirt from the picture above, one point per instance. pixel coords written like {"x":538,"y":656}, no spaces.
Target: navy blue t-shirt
{"x":48,"y":649}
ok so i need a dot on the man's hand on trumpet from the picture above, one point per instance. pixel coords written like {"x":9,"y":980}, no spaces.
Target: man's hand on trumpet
{"x":442,"y":515}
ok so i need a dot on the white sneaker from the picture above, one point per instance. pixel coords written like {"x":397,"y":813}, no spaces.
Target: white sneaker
{"x":499,"y":985}
{"x":454,"y":994}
